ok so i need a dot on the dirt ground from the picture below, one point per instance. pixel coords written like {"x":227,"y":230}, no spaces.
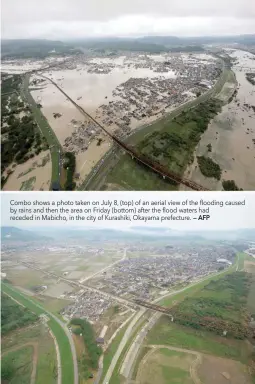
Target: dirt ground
{"x":44,"y":354}
{"x":249,"y":266}
{"x":34,"y":174}
{"x":189,"y":366}
{"x":34,"y":345}
{"x":151,"y":369}
{"x":222,"y":371}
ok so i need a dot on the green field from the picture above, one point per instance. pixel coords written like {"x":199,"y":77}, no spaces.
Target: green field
{"x":131,"y":175}
{"x":242,"y":258}
{"x":172,"y":146}
{"x":47,"y":131}
{"x":224,"y":297}
{"x":167,"y":333}
{"x":58,"y":331}
{"x":17,"y":366}
{"x":164,"y":366}
{"x":220,"y":306}
{"x":47,"y":364}
{"x":46,"y":369}
{"x":14,"y":316}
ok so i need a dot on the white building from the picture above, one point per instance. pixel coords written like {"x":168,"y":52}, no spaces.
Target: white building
{"x":224,"y":261}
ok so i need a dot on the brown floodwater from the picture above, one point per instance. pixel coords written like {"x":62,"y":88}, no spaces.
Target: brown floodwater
{"x":231,"y":134}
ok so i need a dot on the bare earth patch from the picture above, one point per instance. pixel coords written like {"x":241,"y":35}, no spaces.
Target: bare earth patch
{"x":221,"y":371}
{"x":249,"y":266}
{"x":171,"y":364}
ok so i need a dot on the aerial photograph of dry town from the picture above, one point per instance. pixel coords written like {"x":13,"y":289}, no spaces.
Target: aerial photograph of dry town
{"x":139,"y":305}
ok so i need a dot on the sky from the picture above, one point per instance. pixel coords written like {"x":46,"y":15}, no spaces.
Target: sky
{"x":227,"y":217}
{"x":63,"y":19}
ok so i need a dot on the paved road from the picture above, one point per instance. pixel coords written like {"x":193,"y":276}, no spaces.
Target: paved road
{"x":122,"y":345}
{"x":127,"y":303}
{"x":134,"y":349}
{"x":100,"y":370}
{"x":106,"y":268}
{"x":63,"y":325}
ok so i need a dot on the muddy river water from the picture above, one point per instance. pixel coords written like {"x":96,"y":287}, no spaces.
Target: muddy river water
{"x":232,"y":133}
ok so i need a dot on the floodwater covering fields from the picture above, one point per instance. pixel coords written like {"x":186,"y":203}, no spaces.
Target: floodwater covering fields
{"x":122,"y":93}
{"x":232,"y":133}
{"x":126,"y":92}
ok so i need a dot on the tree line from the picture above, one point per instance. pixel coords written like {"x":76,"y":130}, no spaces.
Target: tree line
{"x":220,"y":307}
{"x":92,"y":350}
{"x":14,"y":316}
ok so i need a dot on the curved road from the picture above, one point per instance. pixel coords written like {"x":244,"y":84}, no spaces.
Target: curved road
{"x":193,"y":367}
{"x":63,"y":325}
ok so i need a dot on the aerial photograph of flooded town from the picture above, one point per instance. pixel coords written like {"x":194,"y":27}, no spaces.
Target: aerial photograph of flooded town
{"x":154,"y":113}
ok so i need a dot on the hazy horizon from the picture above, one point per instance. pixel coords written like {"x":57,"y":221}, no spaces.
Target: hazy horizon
{"x":68,"y":19}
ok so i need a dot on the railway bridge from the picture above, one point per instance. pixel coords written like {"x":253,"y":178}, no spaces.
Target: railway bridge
{"x":154,"y":307}
{"x":153,"y":165}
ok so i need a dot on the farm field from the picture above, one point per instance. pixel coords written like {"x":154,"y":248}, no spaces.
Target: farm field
{"x":167,"y":333}
{"x":27,"y":346}
{"x":17,"y":365}
{"x":164,"y":365}
{"x":225,"y":353}
{"x":42,"y":352}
